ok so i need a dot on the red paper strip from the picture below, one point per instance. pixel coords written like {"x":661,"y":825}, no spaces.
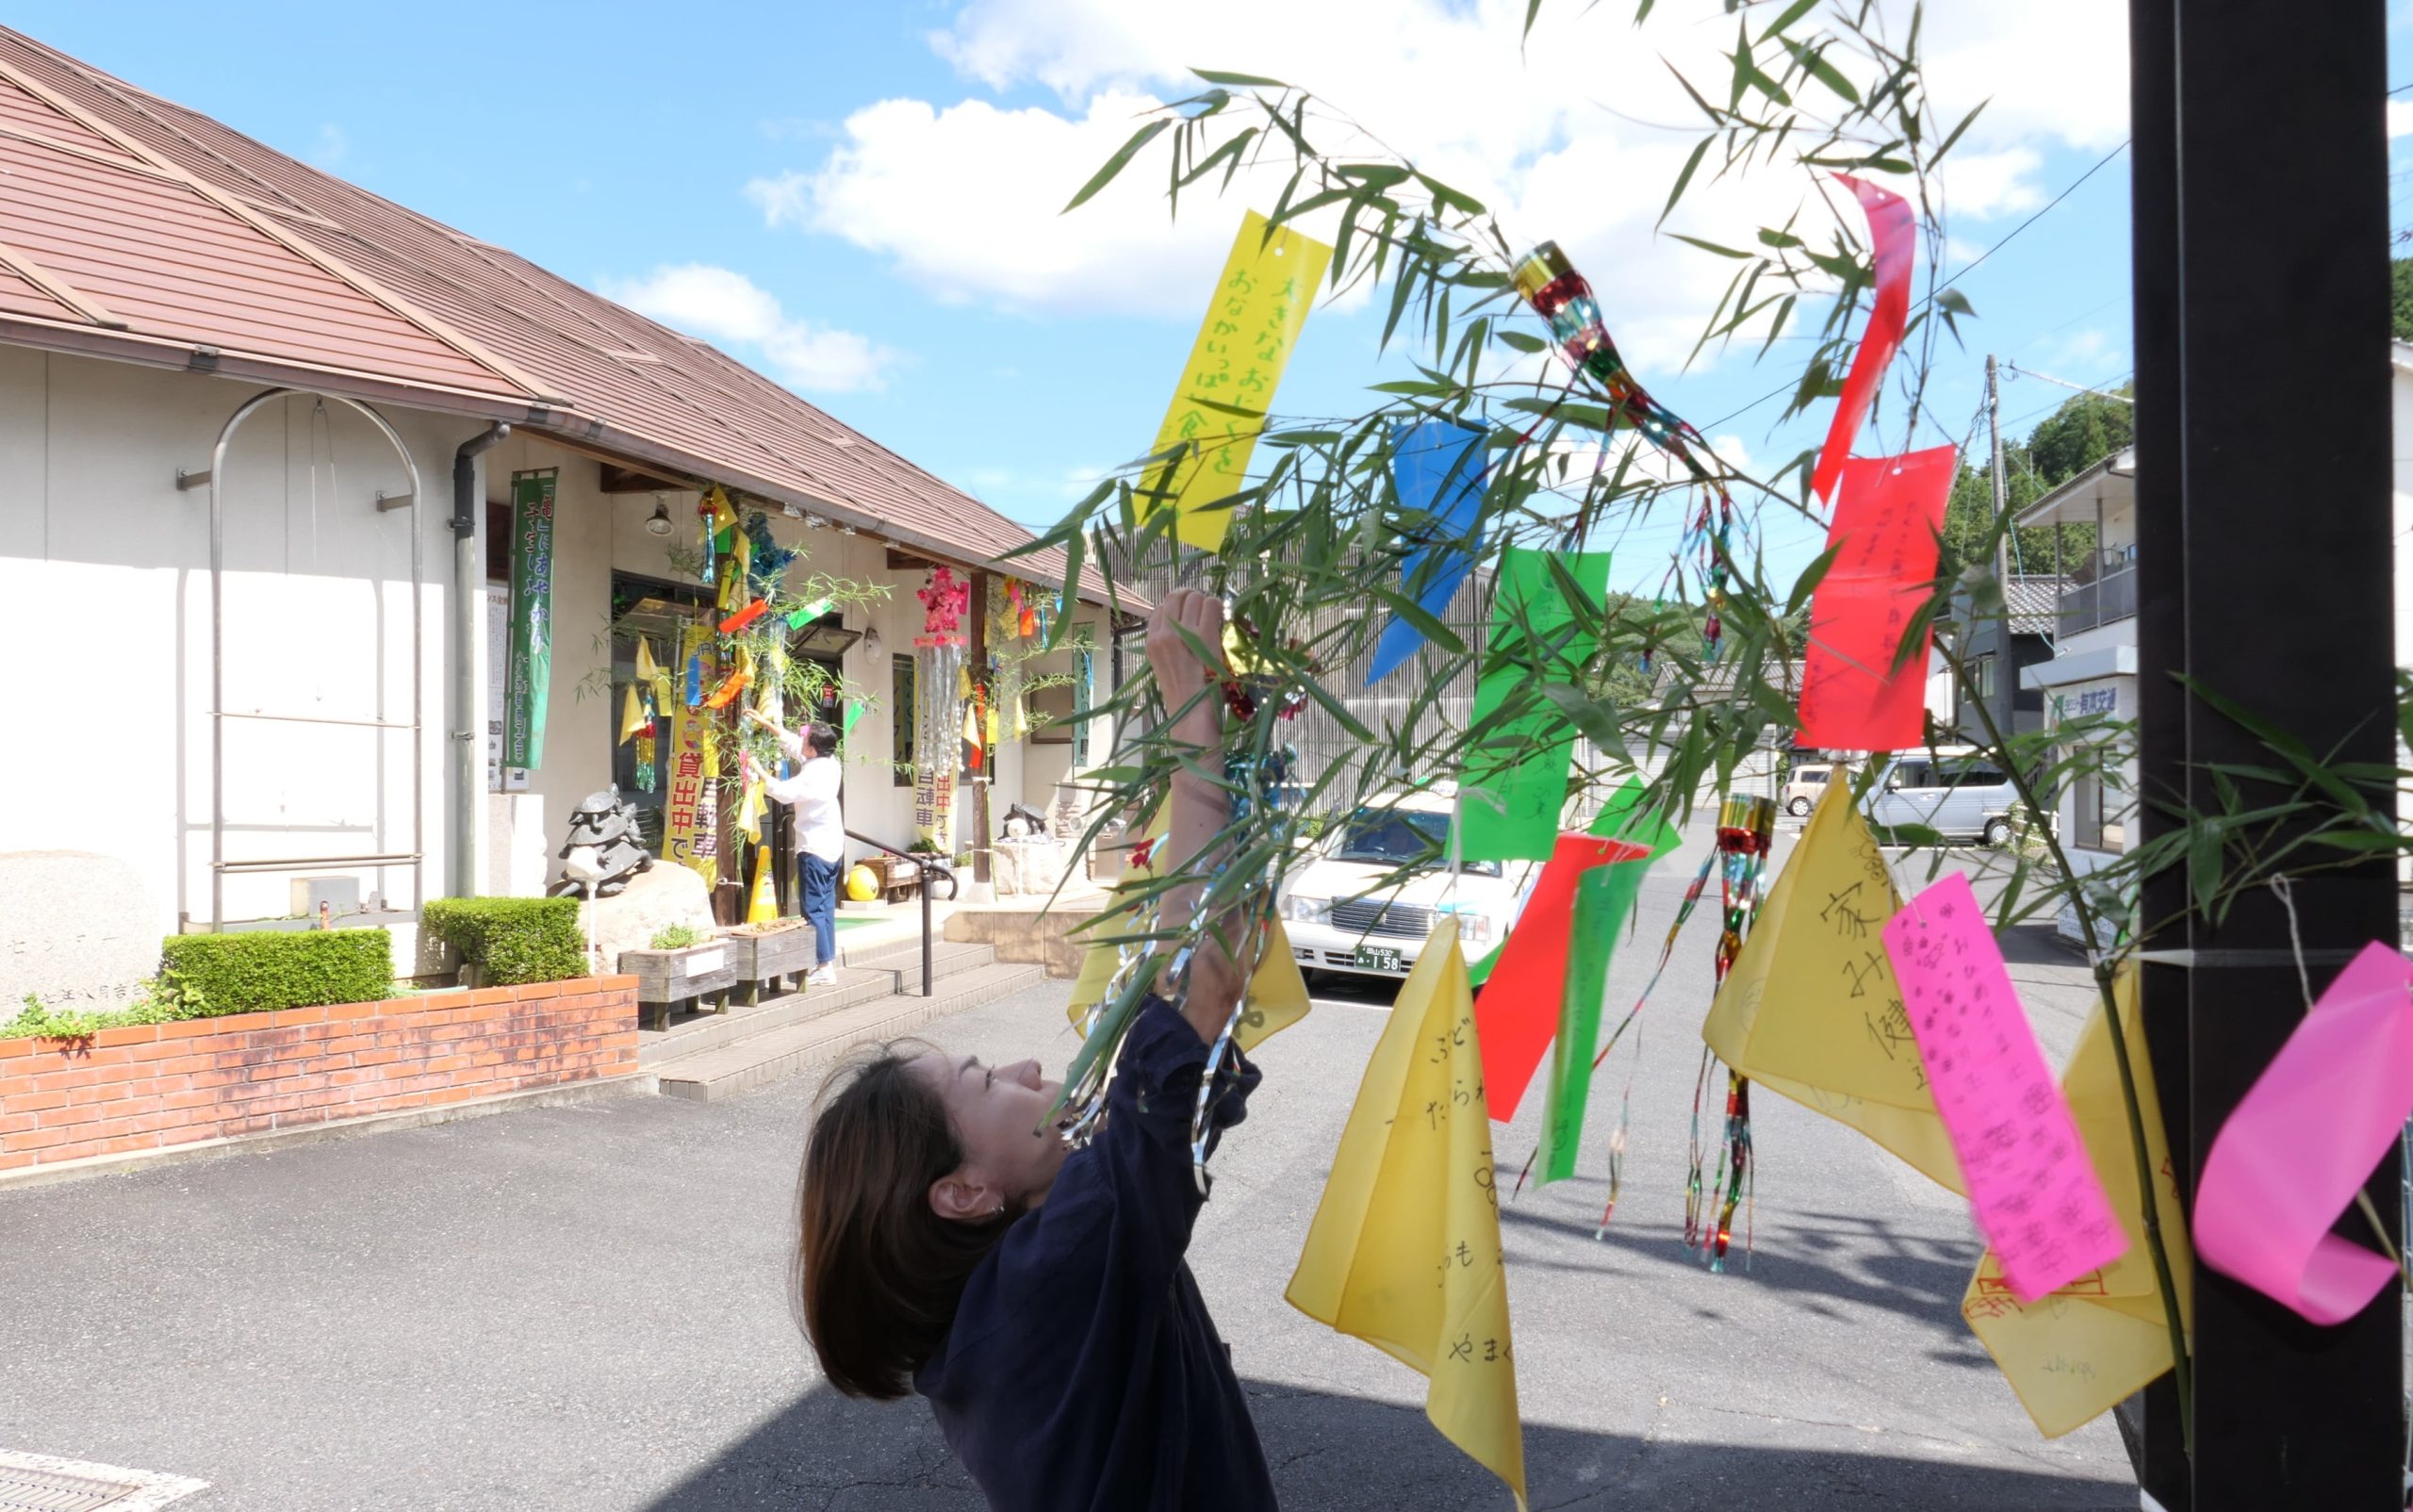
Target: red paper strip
{"x":743,"y":617}
{"x":1516,"y":1012}
{"x":1884,"y":539}
{"x":2030,"y":1180}
{"x":1893,"y":232}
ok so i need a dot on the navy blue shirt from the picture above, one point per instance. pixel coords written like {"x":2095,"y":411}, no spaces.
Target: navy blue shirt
{"x":1082,"y":1370}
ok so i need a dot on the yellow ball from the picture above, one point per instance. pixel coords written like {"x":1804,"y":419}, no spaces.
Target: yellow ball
{"x":862,"y":885}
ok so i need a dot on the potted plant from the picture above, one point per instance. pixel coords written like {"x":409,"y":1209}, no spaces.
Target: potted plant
{"x":683,"y":964}
{"x":761,"y":953}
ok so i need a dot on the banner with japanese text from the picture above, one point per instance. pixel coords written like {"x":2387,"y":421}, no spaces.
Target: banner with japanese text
{"x":690,"y":815}
{"x":530,"y":676}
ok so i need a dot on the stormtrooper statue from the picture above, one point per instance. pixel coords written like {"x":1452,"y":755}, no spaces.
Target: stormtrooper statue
{"x":604,"y":848}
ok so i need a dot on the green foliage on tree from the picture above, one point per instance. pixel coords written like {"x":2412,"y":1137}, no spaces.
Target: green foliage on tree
{"x":2401,"y":312}
{"x":2081,"y":432}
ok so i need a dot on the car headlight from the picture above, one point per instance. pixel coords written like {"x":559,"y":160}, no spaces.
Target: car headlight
{"x":1474,"y":926}
{"x":1301,"y":908}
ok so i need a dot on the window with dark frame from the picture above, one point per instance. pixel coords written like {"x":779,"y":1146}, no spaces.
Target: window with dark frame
{"x":900,"y":703}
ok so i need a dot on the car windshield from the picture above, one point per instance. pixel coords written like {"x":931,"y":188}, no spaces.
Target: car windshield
{"x":1400,"y":837}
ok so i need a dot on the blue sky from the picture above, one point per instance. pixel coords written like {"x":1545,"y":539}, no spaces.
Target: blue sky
{"x":859,"y":198}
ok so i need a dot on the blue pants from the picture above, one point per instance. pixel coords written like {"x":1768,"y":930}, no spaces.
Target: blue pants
{"x":821,"y":906}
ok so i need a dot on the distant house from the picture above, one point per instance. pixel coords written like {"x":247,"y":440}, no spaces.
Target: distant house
{"x":255,"y":512}
{"x":2093,"y":669}
{"x":2002,"y":646}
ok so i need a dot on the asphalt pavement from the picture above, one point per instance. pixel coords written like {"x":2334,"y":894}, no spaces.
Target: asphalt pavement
{"x":585,"y":1307}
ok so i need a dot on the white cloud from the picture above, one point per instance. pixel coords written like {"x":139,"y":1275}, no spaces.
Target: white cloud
{"x":2400,"y":118}
{"x":963,"y":197}
{"x":723,"y":306}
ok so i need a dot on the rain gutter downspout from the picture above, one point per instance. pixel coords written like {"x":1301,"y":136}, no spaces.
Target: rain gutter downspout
{"x":469,"y":593}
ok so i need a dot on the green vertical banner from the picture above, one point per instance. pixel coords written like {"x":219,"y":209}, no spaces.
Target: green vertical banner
{"x":530,"y":677}
{"x":1515,"y":782}
{"x":1603,"y":896}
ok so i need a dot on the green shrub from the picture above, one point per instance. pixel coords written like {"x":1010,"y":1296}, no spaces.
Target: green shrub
{"x":206,"y":975}
{"x":675,"y":937}
{"x":39,"y":1020}
{"x":512,"y":940}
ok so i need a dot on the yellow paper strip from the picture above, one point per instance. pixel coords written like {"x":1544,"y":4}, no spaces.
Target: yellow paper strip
{"x":2080,"y":1351}
{"x":1413,"y":1192}
{"x":1260,"y":302}
{"x":1810,"y":1010}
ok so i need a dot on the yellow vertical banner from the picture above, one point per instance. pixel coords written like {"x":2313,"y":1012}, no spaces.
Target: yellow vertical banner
{"x":1260,"y":302}
{"x":1404,"y":1250}
{"x":2076,"y":1352}
{"x":1810,"y":1010}
{"x":690,"y":815}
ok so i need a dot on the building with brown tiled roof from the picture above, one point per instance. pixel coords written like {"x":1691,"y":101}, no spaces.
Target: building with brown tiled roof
{"x":259,"y":662}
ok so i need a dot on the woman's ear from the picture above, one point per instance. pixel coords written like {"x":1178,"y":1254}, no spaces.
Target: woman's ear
{"x":961,"y":1199}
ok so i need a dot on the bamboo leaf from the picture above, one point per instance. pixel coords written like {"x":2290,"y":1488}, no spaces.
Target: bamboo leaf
{"x":1792,"y":14}
{"x":1244,"y":81}
{"x":1522,"y":340}
{"x":1711,"y":246}
{"x":1813,"y":62}
{"x":1953,"y":135}
{"x":1700,"y":150}
{"x":1426,"y":626}
{"x":1118,"y":162}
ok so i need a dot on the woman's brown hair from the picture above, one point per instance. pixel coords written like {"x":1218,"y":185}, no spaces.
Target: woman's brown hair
{"x":879,"y":1272}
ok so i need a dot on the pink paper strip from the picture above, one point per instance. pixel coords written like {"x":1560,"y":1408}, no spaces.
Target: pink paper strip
{"x":2305,"y":1137}
{"x":2035,"y":1191}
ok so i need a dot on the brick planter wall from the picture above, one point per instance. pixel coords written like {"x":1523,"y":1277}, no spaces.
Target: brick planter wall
{"x":157,"y":1084}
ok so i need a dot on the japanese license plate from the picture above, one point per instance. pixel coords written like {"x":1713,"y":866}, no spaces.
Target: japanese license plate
{"x":1378,"y":958}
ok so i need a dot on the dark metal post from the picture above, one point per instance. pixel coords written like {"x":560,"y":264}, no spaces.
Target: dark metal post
{"x":2263,"y":457}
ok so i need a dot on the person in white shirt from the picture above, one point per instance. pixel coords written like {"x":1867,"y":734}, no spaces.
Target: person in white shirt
{"x":820,"y":831}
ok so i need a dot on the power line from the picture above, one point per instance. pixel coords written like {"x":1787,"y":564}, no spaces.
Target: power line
{"x":2032,"y":219}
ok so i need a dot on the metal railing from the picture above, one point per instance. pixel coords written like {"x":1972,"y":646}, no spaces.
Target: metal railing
{"x":927,"y":870}
{"x":2111,"y":596}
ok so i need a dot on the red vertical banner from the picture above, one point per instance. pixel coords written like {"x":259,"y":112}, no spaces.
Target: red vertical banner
{"x":1853,"y":698}
{"x":1517,"y":1010}
{"x":1893,"y":234}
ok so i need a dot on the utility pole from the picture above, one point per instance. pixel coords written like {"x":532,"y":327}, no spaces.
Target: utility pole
{"x":2239,"y":122}
{"x":2005,"y":669}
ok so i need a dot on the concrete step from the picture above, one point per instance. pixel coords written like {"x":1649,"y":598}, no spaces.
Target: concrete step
{"x":765,"y":1057}
{"x":857,"y":984}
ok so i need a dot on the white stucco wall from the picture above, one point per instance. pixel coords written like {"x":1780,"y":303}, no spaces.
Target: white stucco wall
{"x":105,"y":606}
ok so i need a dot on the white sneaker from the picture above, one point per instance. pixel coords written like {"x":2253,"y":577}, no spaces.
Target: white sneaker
{"x":823,"y":976}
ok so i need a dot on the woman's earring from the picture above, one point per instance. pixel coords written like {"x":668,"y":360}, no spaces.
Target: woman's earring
{"x":1001,"y":1210}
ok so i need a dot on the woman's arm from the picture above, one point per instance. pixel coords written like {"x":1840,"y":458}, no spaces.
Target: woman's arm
{"x":789,"y":740}
{"x":1199,"y":808}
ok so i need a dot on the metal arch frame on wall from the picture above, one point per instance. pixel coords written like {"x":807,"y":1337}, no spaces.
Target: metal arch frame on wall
{"x":215,"y":478}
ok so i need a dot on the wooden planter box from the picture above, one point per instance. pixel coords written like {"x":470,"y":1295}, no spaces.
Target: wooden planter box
{"x":758,"y":959}
{"x":669,"y":977}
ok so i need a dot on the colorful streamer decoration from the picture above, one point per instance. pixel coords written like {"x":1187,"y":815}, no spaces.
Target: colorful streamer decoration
{"x":1892,"y":232}
{"x":1412,"y":1184}
{"x":1437,"y":471}
{"x":2088,"y":1346}
{"x":1515,"y":786}
{"x":745,"y":617}
{"x":634,"y":719}
{"x":1260,"y":303}
{"x":2304,"y":1140}
{"x":1746,"y":827}
{"x":1810,"y":1010}
{"x":1858,"y":692}
{"x":1563,"y":298}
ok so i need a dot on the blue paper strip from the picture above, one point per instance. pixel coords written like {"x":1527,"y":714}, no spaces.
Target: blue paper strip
{"x":1436,"y":466}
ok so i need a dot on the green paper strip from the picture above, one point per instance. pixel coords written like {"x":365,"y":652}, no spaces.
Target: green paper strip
{"x":806,"y":614}
{"x":1624,"y":817}
{"x":854,"y":712}
{"x":1515,"y":786}
{"x":1603,"y":895}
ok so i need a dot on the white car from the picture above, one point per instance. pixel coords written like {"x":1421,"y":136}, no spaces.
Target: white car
{"x":1344,"y":911}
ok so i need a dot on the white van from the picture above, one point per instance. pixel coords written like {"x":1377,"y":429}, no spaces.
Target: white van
{"x":1342,"y":917}
{"x":1805,"y":785}
{"x":1953,"y":792}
